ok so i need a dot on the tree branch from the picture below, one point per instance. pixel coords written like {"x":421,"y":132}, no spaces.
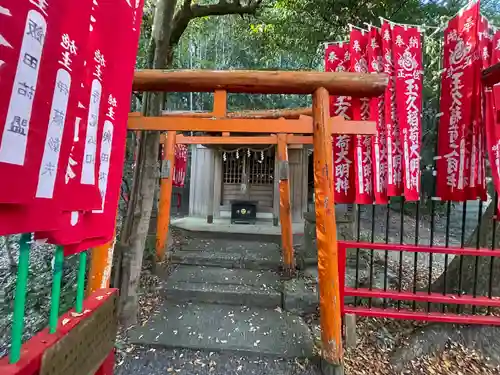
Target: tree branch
{"x":190,"y":11}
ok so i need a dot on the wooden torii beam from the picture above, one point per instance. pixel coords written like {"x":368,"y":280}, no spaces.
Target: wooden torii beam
{"x":300,"y":125}
{"x":293,"y":113}
{"x":260,"y":82}
{"x":321,"y":126}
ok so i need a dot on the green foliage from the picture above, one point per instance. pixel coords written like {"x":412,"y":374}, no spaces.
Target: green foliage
{"x":288,"y":34}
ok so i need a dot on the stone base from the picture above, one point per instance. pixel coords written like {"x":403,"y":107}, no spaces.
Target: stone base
{"x":328,"y":368}
{"x":307,"y":252}
{"x":300,"y":296}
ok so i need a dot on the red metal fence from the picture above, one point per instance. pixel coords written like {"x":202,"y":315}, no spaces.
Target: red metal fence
{"x":430,"y":279}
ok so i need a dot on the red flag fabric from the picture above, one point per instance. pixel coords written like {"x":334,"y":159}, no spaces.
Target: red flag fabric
{"x":119,"y":54}
{"x":361,"y":111}
{"x":379,"y":141}
{"x":407,"y":54}
{"x":455,"y":143}
{"x":492,"y":98}
{"x":492,"y":94}
{"x":478,"y":177}
{"x":337,"y":59}
{"x":23,"y":38}
{"x":53,"y":101}
{"x":180,"y":165}
{"x":82,"y":165}
{"x":394,"y":151}
{"x":495,"y":45}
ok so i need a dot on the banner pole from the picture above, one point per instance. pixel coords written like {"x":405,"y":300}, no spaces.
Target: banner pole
{"x":20,"y":298}
{"x":80,"y":286}
{"x":56,"y":289}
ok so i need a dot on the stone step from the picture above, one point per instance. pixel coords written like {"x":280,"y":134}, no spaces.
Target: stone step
{"x":228,"y":253}
{"x":228,"y":245}
{"x":240,"y":295}
{"x":225,"y":328}
{"x":230,"y":286}
{"x":242,"y":259}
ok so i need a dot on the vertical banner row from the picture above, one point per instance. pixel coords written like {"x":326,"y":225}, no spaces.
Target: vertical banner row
{"x":65,"y":84}
{"x":370,"y":169}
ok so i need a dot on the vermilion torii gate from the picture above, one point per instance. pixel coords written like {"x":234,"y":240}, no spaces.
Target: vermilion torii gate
{"x":282,"y":131}
{"x":81,"y":341}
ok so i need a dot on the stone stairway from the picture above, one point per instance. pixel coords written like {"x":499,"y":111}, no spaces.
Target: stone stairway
{"x":224,"y":294}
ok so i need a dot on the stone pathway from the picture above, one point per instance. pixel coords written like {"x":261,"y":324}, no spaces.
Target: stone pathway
{"x":217,"y":301}
{"x":215,"y":327}
{"x":158,"y":361}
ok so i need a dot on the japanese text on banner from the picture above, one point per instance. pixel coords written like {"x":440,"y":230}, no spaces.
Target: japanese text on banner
{"x":23,"y":36}
{"x":407,"y":54}
{"x":379,"y":140}
{"x":394,"y":150}
{"x":361,"y":111}
{"x":455,"y":126}
{"x":337,"y":59}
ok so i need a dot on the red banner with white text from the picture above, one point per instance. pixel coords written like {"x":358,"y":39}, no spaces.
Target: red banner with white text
{"x":337,"y":59}
{"x":477,"y":186}
{"x":407,"y":54}
{"x":457,"y":88}
{"x":492,"y":96}
{"x":492,"y":126}
{"x":358,"y":40}
{"x":82,"y":164}
{"x":394,"y":150}
{"x":48,"y":105}
{"x":180,"y":165}
{"x":379,"y":140}
{"x":495,"y":45}
{"x":23,"y":39}
{"x":99,"y":225}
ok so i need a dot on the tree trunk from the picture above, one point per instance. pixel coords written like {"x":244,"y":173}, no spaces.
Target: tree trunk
{"x":146,"y":173}
{"x":168,"y":27}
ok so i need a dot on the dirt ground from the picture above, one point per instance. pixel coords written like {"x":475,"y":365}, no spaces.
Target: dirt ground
{"x":374,"y":353}
{"x":378,"y":339}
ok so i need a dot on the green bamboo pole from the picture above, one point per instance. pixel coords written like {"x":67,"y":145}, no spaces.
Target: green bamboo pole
{"x":20,"y":298}
{"x":56,"y":289}
{"x":80,"y":285}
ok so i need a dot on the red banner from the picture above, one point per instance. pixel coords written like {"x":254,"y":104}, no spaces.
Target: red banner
{"x":457,"y":89}
{"x":23,"y":38}
{"x":492,"y":99}
{"x":337,"y":59}
{"x":492,"y":96}
{"x":180,"y":165}
{"x":83,"y":165}
{"x":495,"y":46}
{"x":361,"y":111}
{"x":53,"y":101}
{"x":119,"y":55}
{"x":407,"y":54}
{"x":478,"y":176}
{"x":81,"y":169}
{"x":379,"y":141}
{"x":394,"y":152}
